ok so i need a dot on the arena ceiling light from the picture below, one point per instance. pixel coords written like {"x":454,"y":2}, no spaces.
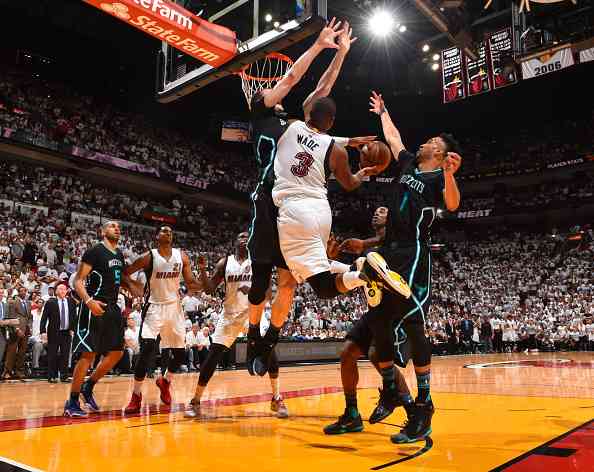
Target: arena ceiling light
{"x":381,"y":23}
{"x":436,"y":57}
{"x":268,"y":18}
{"x":425,"y":48}
{"x":435,"y":66}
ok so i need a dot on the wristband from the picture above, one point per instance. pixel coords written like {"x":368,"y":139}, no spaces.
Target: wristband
{"x":88,"y":300}
{"x":341,"y":141}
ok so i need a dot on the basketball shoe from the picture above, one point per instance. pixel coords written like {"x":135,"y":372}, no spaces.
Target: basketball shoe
{"x":73,"y":409}
{"x":87,"y":392}
{"x":373,"y":292}
{"x":418,"y":424}
{"x":134,"y":405}
{"x":349,"y":422}
{"x":387,"y":403}
{"x":194,"y":411}
{"x":278,"y":406}
{"x":164,"y":385}
{"x":376,"y":269}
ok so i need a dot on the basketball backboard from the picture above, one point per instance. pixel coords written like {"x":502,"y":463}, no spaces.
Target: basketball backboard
{"x":262,"y":27}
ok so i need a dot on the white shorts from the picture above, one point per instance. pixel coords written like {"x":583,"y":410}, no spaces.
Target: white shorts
{"x":229,"y":327}
{"x":167,"y":320}
{"x":304,"y":226}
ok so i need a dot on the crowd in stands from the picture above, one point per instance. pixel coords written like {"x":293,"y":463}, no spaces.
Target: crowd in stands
{"x":504,"y":291}
{"x":61,"y":115}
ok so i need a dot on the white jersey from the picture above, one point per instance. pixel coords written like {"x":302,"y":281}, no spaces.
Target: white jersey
{"x":165,"y":277}
{"x":237,"y":276}
{"x":300,"y":165}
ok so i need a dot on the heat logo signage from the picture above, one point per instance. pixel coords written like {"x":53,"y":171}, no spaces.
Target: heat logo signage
{"x":205,"y":41}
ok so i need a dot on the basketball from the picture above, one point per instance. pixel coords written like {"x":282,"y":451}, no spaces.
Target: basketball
{"x":375,"y":154}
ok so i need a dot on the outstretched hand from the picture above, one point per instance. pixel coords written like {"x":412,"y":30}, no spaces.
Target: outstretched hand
{"x":327,"y":37}
{"x":345,"y":39}
{"x":376,"y":103}
{"x":333,"y":247}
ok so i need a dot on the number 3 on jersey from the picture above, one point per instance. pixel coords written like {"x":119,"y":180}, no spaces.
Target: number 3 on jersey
{"x":301,"y":169}
{"x":117,"y":274}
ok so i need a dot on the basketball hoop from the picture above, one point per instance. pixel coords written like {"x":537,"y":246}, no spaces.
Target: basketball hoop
{"x":263,"y":74}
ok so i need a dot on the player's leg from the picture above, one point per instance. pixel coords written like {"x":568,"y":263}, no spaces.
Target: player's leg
{"x":285,"y":290}
{"x":404,"y":394}
{"x":83,"y":345}
{"x":172,"y":339}
{"x":358,"y":342}
{"x":228,"y":328}
{"x":261,"y":274}
{"x":110,"y":342}
{"x":277,"y":405}
{"x":150,"y":327}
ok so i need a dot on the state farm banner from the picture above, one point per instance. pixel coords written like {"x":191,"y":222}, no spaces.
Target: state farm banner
{"x":209,"y":43}
{"x":501,"y":50}
{"x":477,"y":72}
{"x":452,"y":75}
{"x":547,"y":63}
{"x":587,"y":55}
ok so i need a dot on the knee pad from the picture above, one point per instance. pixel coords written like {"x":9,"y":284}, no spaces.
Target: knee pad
{"x":176,"y":360}
{"x":324,"y":284}
{"x":147,"y":350}
{"x":260,"y":282}
{"x":420,"y":345}
{"x":273,"y":364}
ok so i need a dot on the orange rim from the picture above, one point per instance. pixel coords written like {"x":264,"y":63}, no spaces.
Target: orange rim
{"x":273,"y":55}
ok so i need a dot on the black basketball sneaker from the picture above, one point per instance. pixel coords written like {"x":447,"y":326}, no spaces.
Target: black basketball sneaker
{"x":418,"y":424}
{"x":387,"y":403}
{"x":349,"y":422}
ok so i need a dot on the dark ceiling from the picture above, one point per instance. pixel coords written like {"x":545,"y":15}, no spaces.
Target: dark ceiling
{"x":92,"y":52}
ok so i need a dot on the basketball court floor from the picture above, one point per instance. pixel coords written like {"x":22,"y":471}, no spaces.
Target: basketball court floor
{"x":500,"y":412}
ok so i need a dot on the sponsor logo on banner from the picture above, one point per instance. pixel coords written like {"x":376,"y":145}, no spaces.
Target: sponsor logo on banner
{"x":501,"y":50}
{"x":587,"y":55}
{"x":452,"y":75}
{"x":569,"y":162}
{"x":547,"y":63}
{"x":463,"y":215}
{"x":166,"y":21}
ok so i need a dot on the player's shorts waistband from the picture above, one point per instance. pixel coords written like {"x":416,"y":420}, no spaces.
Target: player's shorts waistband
{"x":169,"y":302}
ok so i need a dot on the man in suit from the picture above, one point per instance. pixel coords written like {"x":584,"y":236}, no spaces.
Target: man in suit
{"x":4,"y":322}
{"x":19,"y":309}
{"x":58,"y":321}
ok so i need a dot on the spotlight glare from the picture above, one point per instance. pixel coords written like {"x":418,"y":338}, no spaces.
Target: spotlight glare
{"x":402,"y":28}
{"x":276,"y":24}
{"x":435,"y":66}
{"x":268,"y":18}
{"x":425,"y":48}
{"x":381,"y":23}
{"x":436,"y":57}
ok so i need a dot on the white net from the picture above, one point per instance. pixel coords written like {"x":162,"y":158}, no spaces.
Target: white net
{"x":263,"y":74}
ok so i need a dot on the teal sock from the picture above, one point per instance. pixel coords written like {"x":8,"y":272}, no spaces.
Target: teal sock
{"x":351,"y":403}
{"x":423,"y":386}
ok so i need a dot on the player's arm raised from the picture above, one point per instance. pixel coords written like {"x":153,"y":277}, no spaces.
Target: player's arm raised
{"x":96,"y":307}
{"x":391,"y":133}
{"x":451,"y":193}
{"x":339,"y":165}
{"x":326,"y":39}
{"x":329,"y":77}
{"x":192,"y":284}
{"x":210,"y":284}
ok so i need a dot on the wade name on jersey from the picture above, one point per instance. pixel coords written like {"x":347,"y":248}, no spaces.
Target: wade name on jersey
{"x":308,"y":142}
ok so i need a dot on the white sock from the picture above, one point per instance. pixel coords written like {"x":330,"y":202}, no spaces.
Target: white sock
{"x":275,"y":384}
{"x":351,"y":280}
{"x":338,"y":267}
{"x":137,"y":386}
